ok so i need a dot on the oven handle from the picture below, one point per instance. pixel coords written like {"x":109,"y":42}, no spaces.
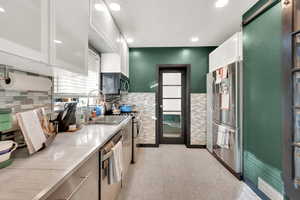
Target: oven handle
{"x":109,"y":154}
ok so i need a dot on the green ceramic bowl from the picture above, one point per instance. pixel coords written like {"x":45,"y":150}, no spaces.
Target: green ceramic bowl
{"x":6,"y":163}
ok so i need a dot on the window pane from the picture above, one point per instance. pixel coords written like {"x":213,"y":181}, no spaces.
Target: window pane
{"x":172,"y":104}
{"x":171,"y":79}
{"x":172,"y":125}
{"x":69,"y":83}
{"x":171,"y":91}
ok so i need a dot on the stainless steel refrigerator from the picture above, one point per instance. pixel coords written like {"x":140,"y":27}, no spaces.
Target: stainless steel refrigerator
{"x":227,"y":118}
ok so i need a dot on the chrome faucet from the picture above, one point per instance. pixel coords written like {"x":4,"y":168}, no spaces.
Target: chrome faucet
{"x":88,"y":101}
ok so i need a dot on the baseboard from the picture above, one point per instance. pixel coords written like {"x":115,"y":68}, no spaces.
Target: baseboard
{"x":147,"y":145}
{"x":196,"y":146}
{"x":237,"y":175}
{"x":255,"y":189}
{"x":254,"y":168}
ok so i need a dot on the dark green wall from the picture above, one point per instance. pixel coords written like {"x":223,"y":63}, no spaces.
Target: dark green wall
{"x":262,"y":98}
{"x":143,"y":61}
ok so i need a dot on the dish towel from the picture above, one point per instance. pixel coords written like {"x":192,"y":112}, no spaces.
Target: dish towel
{"x":223,"y":137}
{"x":115,"y":164}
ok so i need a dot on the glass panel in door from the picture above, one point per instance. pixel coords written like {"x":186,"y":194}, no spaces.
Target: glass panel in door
{"x":297,"y":50}
{"x":171,"y":105}
{"x":296,"y":137}
{"x":297,"y":16}
{"x":172,"y":124}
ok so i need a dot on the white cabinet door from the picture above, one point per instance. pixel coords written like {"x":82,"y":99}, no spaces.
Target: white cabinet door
{"x":228,"y":52}
{"x":25,"y":29}
{"x":110,"y":63}
{"x":124,"y":51}
{"x":117,"y":62}
{"x":69,"y":34}
{"x":103,"y":25}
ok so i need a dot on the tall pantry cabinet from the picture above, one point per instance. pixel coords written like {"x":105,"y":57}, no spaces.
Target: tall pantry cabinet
{"x":291,"y":89}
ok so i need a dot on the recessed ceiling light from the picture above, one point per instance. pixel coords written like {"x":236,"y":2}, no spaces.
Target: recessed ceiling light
{"x":221,"y":3}
{"x":194,"y":39}
{"x":2,"y":10}
{"x":129,"y":40}
{"x":57,"y":41}
{"x":115,"y":7}
{"x":99,"y":7}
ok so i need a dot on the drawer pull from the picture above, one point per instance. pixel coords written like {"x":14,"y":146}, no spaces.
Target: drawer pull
{"x":84,"y":179}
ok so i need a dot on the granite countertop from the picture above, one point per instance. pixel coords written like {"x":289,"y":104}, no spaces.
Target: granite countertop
{"x":36,"y":177}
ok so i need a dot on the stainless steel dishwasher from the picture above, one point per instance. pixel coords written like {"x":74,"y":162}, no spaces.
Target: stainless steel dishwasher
{"x":111,"y":191}
{"x":108,"y":191}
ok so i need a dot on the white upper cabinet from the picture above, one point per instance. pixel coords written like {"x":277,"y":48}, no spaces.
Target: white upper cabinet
{"x":25,"y":29}
{"x":116,"y":62}
{"x":124,"y":52}
{"x":104,"y":34}
{"x":228,"y":52}
{"x":110,"y":63}
{"x":69,"y":34}
{"x":38,"y":35}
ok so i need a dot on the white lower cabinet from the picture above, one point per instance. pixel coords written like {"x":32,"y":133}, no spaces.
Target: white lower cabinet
{"x":82,"y":184}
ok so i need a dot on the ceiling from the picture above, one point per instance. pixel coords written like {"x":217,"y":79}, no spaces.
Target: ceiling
{"x":168,"y":23}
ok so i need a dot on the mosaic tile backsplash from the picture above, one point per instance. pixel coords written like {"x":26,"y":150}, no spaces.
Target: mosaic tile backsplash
{"x":146,"y":103}
{"x":23,"y":100}
{"x":198,"y":119}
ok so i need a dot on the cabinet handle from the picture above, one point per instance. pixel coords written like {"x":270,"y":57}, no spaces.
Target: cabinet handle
{"x":84,"y":179}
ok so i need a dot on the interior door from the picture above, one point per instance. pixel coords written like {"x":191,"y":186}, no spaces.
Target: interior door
{"x":172,"y":102}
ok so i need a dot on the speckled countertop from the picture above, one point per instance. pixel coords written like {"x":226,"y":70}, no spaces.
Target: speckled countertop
{"x":36,"y":177}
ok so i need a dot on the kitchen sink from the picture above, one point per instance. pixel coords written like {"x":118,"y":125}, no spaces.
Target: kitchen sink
{"x":109,"y":120}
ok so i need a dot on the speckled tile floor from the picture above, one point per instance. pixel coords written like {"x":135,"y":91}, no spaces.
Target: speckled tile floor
{"x":173,"y":172}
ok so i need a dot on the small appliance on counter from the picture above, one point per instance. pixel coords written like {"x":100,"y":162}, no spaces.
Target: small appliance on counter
{"x":67,"y":118}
